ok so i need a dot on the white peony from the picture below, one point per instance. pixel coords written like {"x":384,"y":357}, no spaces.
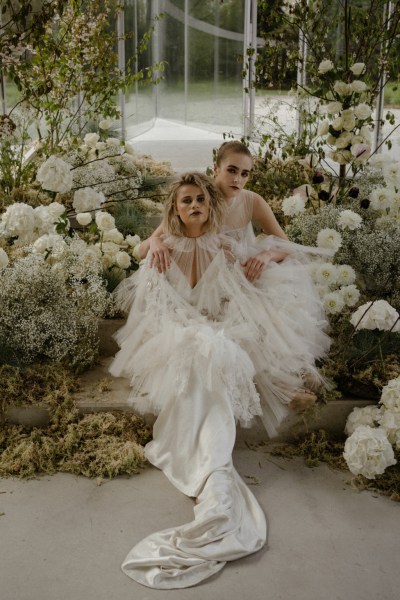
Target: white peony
{"x":325,"y":66}
{"x":342,"y":88}
{"x":293,"y":205}
{"x":329,"y":238}
{"x":348,"y":219}
{"x":376,"y":315}
{"x":368,"y":452}
{"x":326,"y":274}
{"x":358,"y":68}
{"x":123,"y":260}
{"x":358,"y":86}
{"x":389,"y":420}
{"x":87,"y":199}
{"x":345,"y":275}
{"x":4,"y":260}
{"x":84,"y":218}
{"x":323,"y":128}
{"x":333,"y":303}
{"x":367,"y":415}
{"x":105,"y":221}
{"x":55,"y":175}
{"x":390,"y":397}
{"x":350,"y":294}
{"x":91,"y":139}
{"x":333,"y":108}
{"x":362,"y":111}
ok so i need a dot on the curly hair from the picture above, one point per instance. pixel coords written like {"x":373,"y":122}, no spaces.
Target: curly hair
{"x":172,"y":223}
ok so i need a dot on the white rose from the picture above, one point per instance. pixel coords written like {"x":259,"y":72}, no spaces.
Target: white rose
{"x":342,"y":88}
{"x":293,"y":205}
{"x":326,"y":274}
{"x":107,"y":260}
{"x":343,"y":140}
{"x":123,"y":260}
{"x":358,"y":86}
{"x":87,"y":199}
{"x":105,"y":221}
{"x":105,"y":124}
{"x":132,"y":240}
{"x":56,"y":210}
{"x":367,"y":415}
{"x":348,"y":219}
{"x":325,"y":66}
{"x":368,"y":452}
{"x":350,"y":294}
{"x":362,"y":111}
{"x":376,"y":315}
{"x":108,"y":248}
{"x":55,"y":175}
{"x":333,"y":303}
{"x":91,"y":139}
{"x":342,"y":157}
{"x":323,"y":128}
{"x":331,"y":140}
{"x":114,"y":142}
{"x":348,"y":120}
{"x":101,"y":146}
{"x":337,"y":123}
{"x":329,"y":238}
{"x":358,"y":68}
{"x":333,"y":108}
{"x":4,"y":260}
{"x":390,"y":397}
{"x":113,"y":235}
{"x":345,"y":274}
{"x":84,"y":218}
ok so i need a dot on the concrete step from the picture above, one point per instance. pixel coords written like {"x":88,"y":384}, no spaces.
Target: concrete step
{"x":101,"y":392}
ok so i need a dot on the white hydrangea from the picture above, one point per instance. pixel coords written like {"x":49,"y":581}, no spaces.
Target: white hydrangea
{"x":358,"y":68}
{"x":55,"y":175}
{"x":329,"y":238}
{"x":345,"y":275}
{"x":350,"y":294}
{"x":87,"y":199}
{"x":48,"y":216}
{"x":84,"y":218}
{"x":326,"y":274}
{"x":390,"y":397}
{"x":376,"y":315}
{"x":104,"y":221}
{"x":333,"y":302}
{"x":389,"y":420}
{"x":325,"y":66}
{"x":368,"y":452}
{"x":348,"y":219}
{"x":367,"y":415}
{"x":4,"y":260}
{"x":123,"y":260}
{"x":113,"y":235}
{"x":19,"y":221}
{"x":50,"y":242}
{"x":362,"y":111}
{"x":132,"y":240}
{"x":293,"y":205}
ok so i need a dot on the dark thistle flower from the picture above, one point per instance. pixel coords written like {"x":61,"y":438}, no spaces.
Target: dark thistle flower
{"x":353,"y":192}
{"x":317,"y":177}
{"x":365,"y":203}
{"x":324,"y":195}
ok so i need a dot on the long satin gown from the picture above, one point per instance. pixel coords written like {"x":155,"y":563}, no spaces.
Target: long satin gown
{"x":196,"y":341}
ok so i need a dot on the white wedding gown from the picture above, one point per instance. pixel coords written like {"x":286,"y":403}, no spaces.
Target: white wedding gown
{"x":204,"y":348}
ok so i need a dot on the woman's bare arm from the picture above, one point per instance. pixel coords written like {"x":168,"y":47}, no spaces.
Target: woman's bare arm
{"x":159,"y":252}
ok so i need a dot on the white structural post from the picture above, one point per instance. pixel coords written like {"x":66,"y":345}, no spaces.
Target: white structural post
{"x":121,"y":63}
{"x":186,"y":59}
{"x":249,"y":69}
{"x":380,"y":101}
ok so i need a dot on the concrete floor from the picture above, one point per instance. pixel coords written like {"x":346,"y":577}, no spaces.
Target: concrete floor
{"x":64,"y":537}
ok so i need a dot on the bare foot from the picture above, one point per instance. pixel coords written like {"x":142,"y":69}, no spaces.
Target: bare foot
{"x":302,"y":400}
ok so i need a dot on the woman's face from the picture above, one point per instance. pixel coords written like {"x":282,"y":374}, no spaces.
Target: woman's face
{"x":232,"y":174}
{"x":193,"y":208}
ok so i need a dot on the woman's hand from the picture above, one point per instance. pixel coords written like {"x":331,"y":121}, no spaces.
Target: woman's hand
{"x":159,"y":254}
{"x":255,"y":265}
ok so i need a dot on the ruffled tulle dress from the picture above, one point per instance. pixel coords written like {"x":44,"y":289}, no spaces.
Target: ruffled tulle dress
{"x":205,"y":349}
